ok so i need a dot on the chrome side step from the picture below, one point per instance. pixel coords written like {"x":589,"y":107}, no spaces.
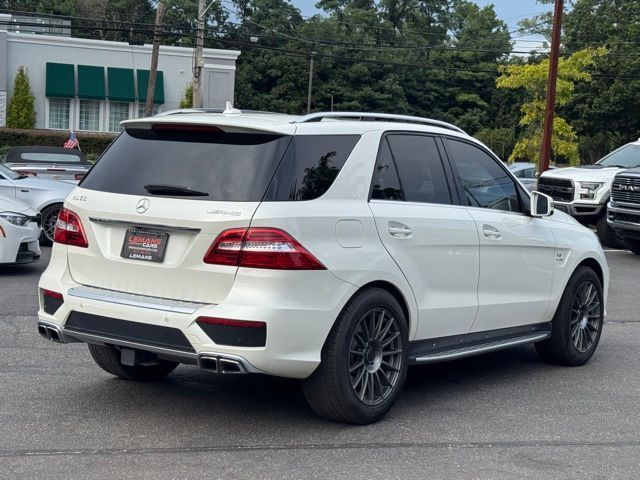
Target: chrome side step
{"x":490,"y":346}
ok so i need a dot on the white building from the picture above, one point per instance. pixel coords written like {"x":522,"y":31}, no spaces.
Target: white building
{"x":92,"y":85}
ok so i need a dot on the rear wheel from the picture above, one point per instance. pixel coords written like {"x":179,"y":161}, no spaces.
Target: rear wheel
{"x":49,"y":219}
{"x":108,"y":358}
{"x":633,"y":245}
{"x":364,"y":361}
{"x":606,"y":234}
{"x":577,"y":324}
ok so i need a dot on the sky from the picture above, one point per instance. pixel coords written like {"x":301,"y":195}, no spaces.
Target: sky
{"x":511,"y":11}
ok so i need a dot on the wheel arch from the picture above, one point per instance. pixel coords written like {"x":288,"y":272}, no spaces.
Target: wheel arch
{"x":393,"y":290}
{"x":594,"y":265}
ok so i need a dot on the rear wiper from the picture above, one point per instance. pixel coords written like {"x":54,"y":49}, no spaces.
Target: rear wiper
{"x":177,"y":190}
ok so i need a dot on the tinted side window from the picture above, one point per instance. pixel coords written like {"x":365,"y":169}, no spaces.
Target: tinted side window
{"x":420,"y":168}
{"x":484,"y":182}
{"x":310,"y":165}
{"x":386,"y":185}
{"x":530,"y":173}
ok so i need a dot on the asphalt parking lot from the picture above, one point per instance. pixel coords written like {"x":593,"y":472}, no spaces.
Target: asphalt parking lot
{"x":504,"y":415}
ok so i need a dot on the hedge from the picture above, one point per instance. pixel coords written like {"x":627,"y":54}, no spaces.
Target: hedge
{"x":91,"y":144}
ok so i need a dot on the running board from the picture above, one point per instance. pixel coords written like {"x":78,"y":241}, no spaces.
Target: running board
{"x":460,"y":346}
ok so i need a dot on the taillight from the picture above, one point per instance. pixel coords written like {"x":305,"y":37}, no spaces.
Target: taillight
{"x":28,"y":173}
{"x":261,"y":247}
{"x":79,"y":176}
{"x":69,"y":230}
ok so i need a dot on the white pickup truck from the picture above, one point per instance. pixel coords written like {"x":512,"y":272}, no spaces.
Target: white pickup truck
{"x":583,"y":192}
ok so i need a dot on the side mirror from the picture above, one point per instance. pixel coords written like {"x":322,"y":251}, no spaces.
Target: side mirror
{"x":541,"y":205}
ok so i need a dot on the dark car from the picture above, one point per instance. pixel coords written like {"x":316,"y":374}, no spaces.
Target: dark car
{"x":53,"y":163}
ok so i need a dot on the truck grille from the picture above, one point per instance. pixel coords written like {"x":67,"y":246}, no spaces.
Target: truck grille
{"x":626,"y":189}
{"x":557,"y":188}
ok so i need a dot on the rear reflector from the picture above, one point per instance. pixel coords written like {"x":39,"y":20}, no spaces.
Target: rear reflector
{"x":69,"y":230}
{"x":51,"y":301}
{"x":52,"y":294}
{"x":261,"y":247}
{"x":236,"y":333}
{"x":231,"y":323}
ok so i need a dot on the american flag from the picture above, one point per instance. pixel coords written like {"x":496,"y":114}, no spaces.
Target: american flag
{"x":72,"y":142}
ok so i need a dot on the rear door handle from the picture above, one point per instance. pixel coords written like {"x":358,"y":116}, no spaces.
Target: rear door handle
{"x":399,"y":230}
{"x":490,"y":231}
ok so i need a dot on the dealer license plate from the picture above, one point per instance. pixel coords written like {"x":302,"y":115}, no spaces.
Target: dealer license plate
{"x":144,"y":245}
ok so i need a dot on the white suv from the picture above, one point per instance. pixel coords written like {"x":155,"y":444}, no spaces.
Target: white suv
{"x":337,"y":248}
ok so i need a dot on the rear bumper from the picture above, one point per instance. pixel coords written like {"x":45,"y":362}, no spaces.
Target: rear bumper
{"x":299,"y":309}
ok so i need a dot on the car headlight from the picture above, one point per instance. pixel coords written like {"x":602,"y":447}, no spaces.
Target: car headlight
{"x":15,"y":218}
{"x":591,"y":189}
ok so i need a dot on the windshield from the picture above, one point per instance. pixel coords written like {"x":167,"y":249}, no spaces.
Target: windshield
{"x":8,"y":173}
{"x":625,"y":157}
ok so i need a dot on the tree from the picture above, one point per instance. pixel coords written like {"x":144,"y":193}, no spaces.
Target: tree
{"x":533,"y":79}
{"x":21,"y":112}
{"x":187,"y":97}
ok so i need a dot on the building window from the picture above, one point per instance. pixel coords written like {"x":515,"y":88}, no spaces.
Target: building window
{"x":118,"y":111}
{"x":154,"y":110}
{"x":89,"y":118}
{"x":59,"y":113}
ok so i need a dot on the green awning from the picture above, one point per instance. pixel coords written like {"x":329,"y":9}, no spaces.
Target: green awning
{"x":143,"y":84}
{"x":120,"y":84}
{"x":91,"y":82}
{"x":60,"y":80}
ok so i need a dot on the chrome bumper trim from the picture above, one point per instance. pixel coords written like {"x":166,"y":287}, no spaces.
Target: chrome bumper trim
{"x":127,"y":223}
{"x":134,"y":300}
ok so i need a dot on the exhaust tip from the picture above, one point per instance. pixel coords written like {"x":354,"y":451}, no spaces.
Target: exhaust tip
{"x":209,"y":363}
{"x":54,"y":335}
{"x":230,"y":366}
{"x":42,"y":330}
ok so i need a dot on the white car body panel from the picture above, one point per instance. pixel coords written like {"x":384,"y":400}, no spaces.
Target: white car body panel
{"x":36,"y":192}
{"x":15,"y":235}
{"x":453,"y":279}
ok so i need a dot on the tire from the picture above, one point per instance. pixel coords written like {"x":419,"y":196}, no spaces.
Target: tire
{"x":337,"y":391}
{"x":108,"y":359}
{"x":572,"y":324}
{"x":49,"y":218}
{"x":606,"y":234}
{"x":633,"y":245}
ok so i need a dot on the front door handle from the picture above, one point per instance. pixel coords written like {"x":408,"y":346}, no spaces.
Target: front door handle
{"x":399,"y":230}
{"x":492,"y":232}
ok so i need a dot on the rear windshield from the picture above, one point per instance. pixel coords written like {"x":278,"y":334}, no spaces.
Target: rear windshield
{"x":237,"y":167}
{"x":49,"y":157}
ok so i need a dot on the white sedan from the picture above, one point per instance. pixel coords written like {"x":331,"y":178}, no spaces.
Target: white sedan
{"x":19,"y":232}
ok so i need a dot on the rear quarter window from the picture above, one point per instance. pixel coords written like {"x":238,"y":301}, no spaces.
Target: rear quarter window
{"x":310,"y":165}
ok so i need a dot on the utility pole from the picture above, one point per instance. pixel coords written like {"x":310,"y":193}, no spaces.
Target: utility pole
{"x":197,"y":68}
{"x":545,"y":151}
{"x":310,"y":82}
{"x":153,"y":70}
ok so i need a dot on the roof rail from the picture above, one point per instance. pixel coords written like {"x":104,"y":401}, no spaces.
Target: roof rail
{"x":362,"y":116}
{"x":185,"y":111}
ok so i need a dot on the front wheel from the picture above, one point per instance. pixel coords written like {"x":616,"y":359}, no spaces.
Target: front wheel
{"x":633,"y":245}
{"x":364,"y":361}
{"x":577,"y":325}
{"x":108,"y":358}
{"x":606,"y":234}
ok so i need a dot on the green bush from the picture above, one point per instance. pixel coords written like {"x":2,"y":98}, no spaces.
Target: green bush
{"x":187,"y":97}
{"x":91,"y":144}
{"x":21,"y":112}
